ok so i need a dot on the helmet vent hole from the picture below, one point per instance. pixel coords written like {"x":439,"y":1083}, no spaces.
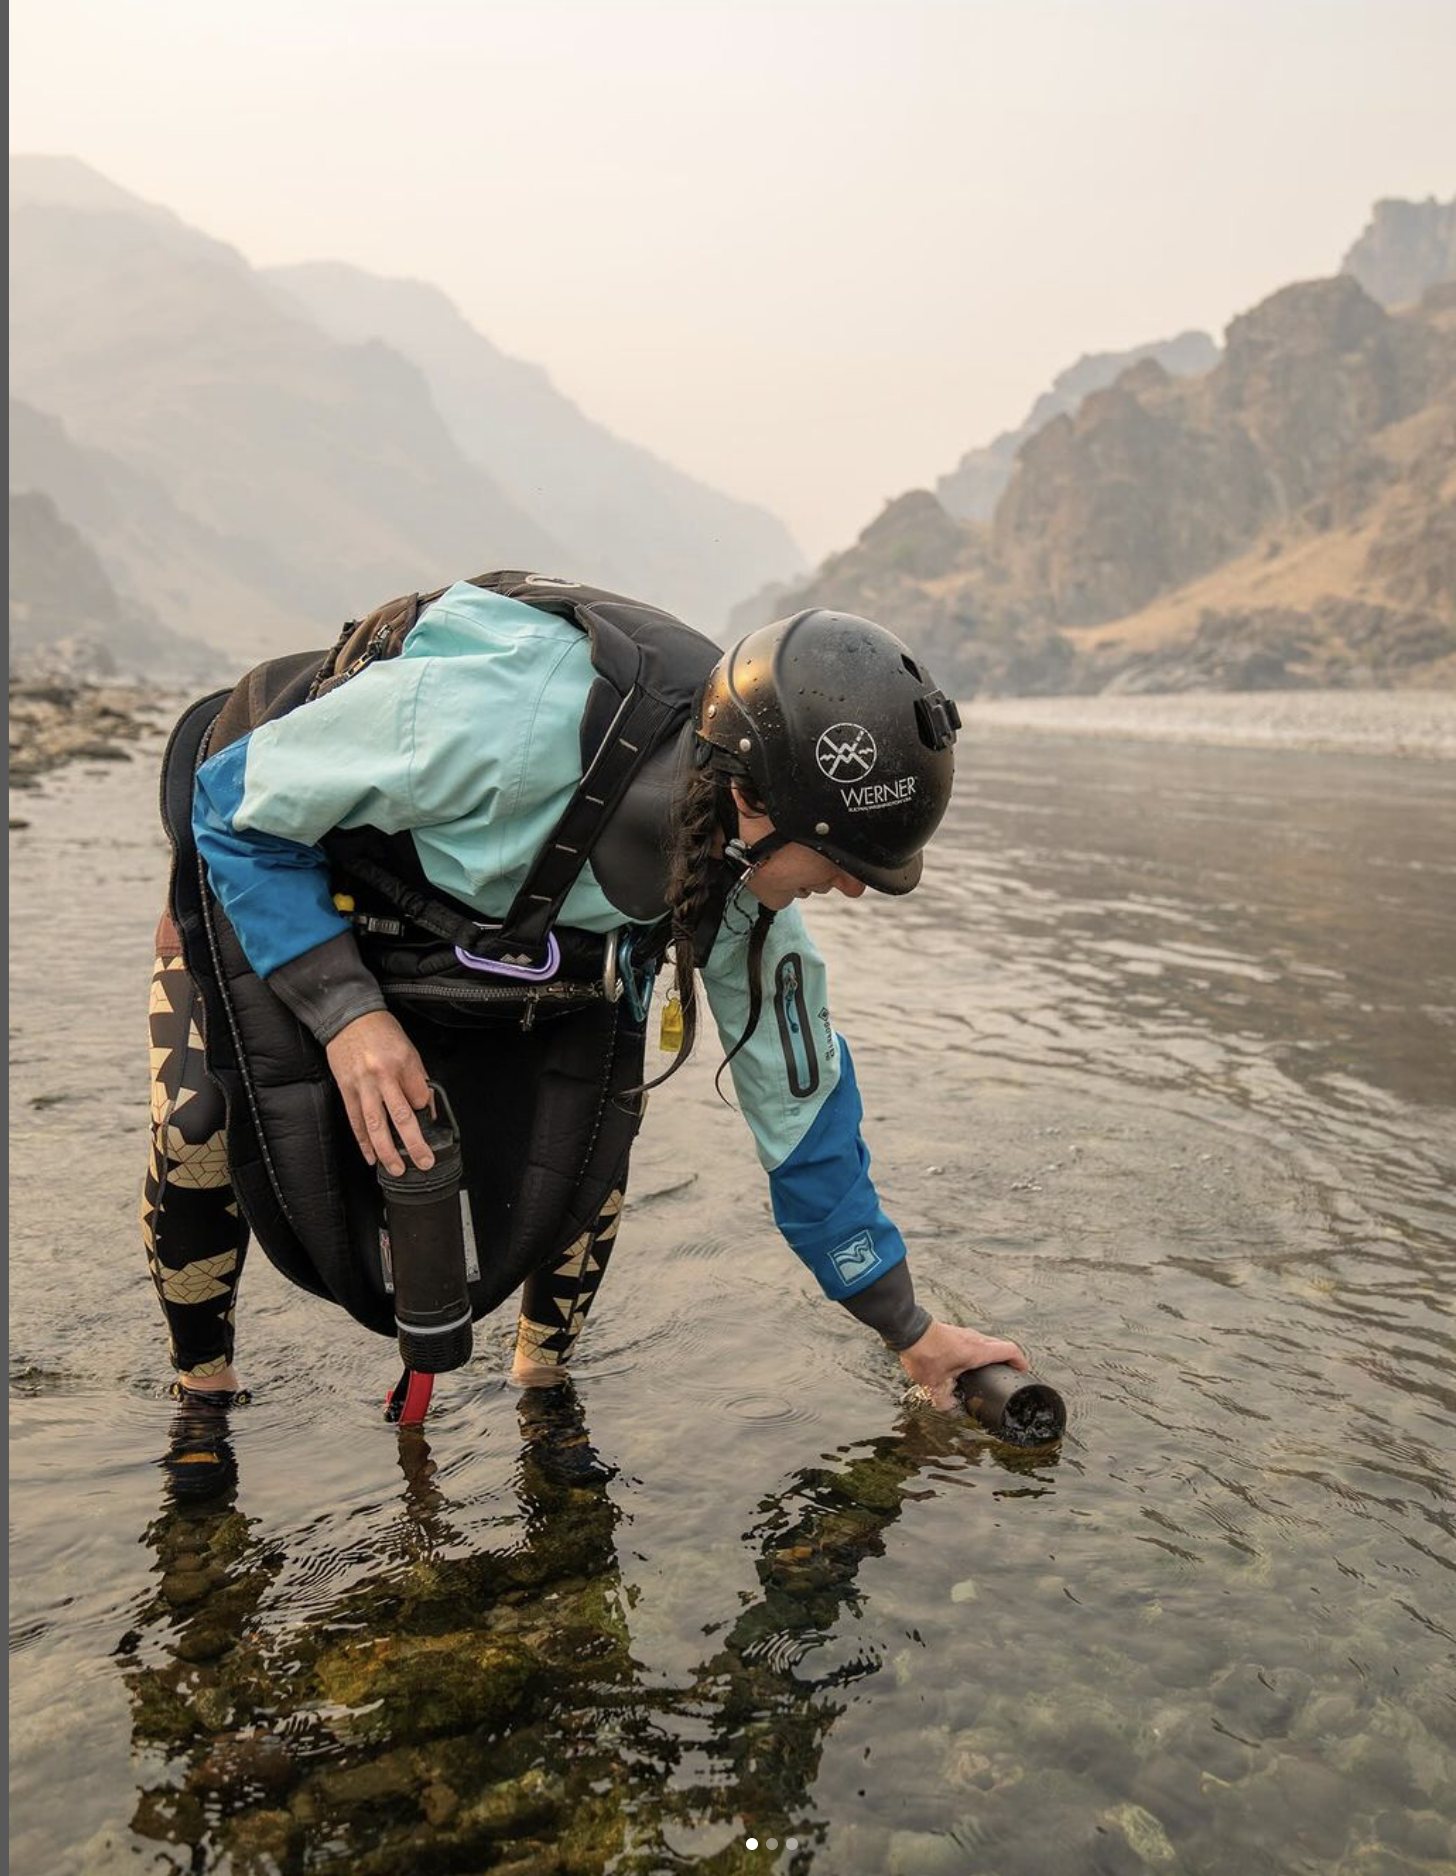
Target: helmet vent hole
{"x":911,"y":666}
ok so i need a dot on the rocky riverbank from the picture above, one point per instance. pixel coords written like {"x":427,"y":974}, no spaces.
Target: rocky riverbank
{"x":1348,"y":722}
{"x":53,"y":722}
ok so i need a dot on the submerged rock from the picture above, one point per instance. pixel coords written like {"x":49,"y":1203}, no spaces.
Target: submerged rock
{"x":245,"y":1764}
{"x":181,"y":1587}
{"x":1371,"y":1860}
{"x":159,"y":1713}
{"x":439,"y":1804}
{"x":215,"y":1707}
{"x":541,"y":1863}
{"x":874,"y":1483}
{"x":514,"y":1808}
{"x":1410,"y":1770}
{"x":926,"y":1853}
{"x":351,"y":1788}
{"x":168,"y":1816}
{"x":1144,"y":1833}
{"x":205,"y":1641}
{"x":1418,"y":1833}
{"x":261,"y":1843}
{"x":1262,"y":1701}
{"x":408,"y":1688}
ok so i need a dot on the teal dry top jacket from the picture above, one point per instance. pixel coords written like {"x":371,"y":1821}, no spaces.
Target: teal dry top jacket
{"x":469,"y":741}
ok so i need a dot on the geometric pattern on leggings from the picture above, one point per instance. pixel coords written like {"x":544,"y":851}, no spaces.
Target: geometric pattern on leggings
{"x":557,"y":1298}
{"x":176,"y":1039}
{"x":192,"y":1228}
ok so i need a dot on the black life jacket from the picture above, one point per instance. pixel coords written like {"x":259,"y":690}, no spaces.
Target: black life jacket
{"x":546,"y":1113}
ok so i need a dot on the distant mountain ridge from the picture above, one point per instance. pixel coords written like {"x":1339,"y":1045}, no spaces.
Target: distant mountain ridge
{"x":972,"y":489}
{"x":255,"y":479}
{"x":62,"y":606}
{"x":253,"y":457}
{"x":639,"y":525}
{"x":325,"y":467}
{"x":1287,"y":516}
{"x":147,"y":543}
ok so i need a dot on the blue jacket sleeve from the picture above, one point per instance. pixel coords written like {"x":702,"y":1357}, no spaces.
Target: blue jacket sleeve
{"x":795,"y":1081}
{"x":825,"y":1202}
{"x":275,"y":891}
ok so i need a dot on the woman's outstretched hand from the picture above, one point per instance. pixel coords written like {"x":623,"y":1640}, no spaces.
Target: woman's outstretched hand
{"x":944,"y":1353}
{"x":383,"y":1082}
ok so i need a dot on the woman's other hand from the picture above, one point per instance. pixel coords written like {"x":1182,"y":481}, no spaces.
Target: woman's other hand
{"x":383,"y":1082}
{"x":944,"y":1352}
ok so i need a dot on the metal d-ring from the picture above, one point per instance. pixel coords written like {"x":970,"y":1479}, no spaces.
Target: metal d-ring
{"x":612,"y":985}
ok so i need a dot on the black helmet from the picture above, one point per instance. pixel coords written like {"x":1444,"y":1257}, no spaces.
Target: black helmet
{"x":843,"y":736}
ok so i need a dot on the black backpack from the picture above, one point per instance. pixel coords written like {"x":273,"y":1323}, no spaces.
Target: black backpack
{"x":547,"y":1114}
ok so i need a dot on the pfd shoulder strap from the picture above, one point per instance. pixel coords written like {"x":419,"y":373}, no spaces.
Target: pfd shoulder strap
{"x":648,"y":665}
{"x":642,"y":724}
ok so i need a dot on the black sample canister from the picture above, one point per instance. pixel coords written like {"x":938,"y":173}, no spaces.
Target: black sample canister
{"x":1015,"y":1407}
{"x":427,"y":1250}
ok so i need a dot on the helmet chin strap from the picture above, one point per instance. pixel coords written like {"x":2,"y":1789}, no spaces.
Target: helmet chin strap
{"x":746,"y":860}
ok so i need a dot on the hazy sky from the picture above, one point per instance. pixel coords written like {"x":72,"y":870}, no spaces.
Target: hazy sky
{"x":810,"y":251}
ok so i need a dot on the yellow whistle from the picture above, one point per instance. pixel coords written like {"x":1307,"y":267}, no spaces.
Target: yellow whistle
{"x":671,"y":1038}
{"x":343,"y":902}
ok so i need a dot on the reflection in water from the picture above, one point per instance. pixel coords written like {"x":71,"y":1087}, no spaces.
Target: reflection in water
{"x":1157,"y":1070}
{"x":489,"y":1705}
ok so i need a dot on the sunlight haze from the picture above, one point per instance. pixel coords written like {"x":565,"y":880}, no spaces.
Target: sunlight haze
{"x":809,"y":253}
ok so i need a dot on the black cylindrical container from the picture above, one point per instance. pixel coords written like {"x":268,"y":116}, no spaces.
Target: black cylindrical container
{"x":427,"y":1251}
{"x":1015,"y":1407}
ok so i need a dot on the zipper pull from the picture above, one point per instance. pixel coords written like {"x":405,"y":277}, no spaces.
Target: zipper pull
{"x":670,"y":1038}
{"x":528,"y":1015}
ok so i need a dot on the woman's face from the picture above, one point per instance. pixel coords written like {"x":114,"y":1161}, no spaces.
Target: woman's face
{"x":794,"y":872}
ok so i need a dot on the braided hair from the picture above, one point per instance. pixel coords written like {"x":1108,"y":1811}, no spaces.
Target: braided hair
{"x":703,"y":815}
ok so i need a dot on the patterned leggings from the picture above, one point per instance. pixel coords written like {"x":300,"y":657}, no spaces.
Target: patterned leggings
{"x":196,"y":1237}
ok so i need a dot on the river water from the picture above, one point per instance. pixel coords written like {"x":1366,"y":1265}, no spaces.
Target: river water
{"x":1158,"y":1077}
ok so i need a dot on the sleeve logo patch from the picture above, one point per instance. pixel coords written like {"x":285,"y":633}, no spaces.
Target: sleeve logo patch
{"x":855,"y":1256}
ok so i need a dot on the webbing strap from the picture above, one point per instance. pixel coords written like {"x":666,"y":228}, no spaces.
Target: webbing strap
{"x":409,"y":1399}
{"x":639,"y":727}
{"x":643,"y":721}
{"x":636,"y":731}
{"x":431,"y":915}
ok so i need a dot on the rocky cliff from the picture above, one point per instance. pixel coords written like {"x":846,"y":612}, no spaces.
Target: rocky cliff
{"x":974,"y":487}
{"x":1287,"y":517}
{"x":1155,"y":482}
{"x":1406,"y":249}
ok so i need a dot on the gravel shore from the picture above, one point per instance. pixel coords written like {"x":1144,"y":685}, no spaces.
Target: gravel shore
{"x":53,"y":722}
{"x":1353,"y":722}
